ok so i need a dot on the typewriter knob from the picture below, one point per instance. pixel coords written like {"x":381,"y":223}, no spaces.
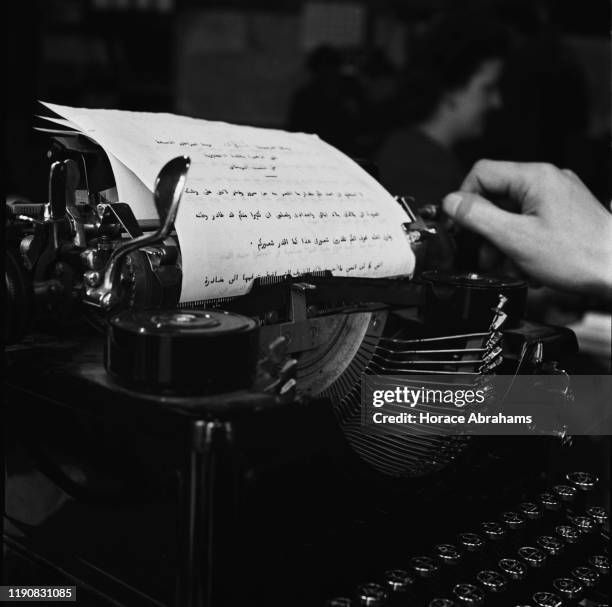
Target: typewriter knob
{"x":598,"y":514}
{"x":448,"y":554}
{"x":469,"y":595}
{"x":514,"y":569}
{"x":530,"y":511}
{"x":398,"y":580}
{"x":582,"y":480}
{"x":550,"y":544}
{"x":568,"y":587}
{"x":587,"y":576}
{"x":491,"y":580}
{"x":534,"y":557}
{"x":493,"y":530}
{"x":570,"y":534}
{"x":371,"y":595}
{"x":566,"y":493}
{"x":547,"y":599}
{"x":601,"y":563}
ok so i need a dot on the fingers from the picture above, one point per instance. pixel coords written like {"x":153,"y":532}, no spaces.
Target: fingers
{"x":513,"y":181}
{"x":474,"y":212}
{"x":501,"y":178}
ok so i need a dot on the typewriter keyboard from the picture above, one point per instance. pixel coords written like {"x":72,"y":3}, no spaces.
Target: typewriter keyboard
{"x":549,"y":550}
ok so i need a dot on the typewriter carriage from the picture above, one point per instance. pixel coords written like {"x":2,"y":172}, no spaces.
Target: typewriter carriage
{"x":318,"y":334}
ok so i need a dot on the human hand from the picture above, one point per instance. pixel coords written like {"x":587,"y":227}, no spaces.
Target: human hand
{"x":562,"y":236}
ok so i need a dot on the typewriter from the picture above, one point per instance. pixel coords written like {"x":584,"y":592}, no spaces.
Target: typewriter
{"x":215,"y":454}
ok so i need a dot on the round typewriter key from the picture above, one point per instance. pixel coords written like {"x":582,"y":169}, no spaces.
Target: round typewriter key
{"x":371,"y":595}
{"x":549,"y":501}
{"x":550,"y":544}
{"x":530,"y":510}
{"x":547,"y":599}
{"x":468,"y":594}
{"x":442,"y":603}
{"x":582,"y":480}
{"x":534,"y":557}
{"x":493,"y":530}
{"x":513,"y":520}
{"x":601,"y":563}
{"x":448,"y":554}
{"x":568,"y":587}
{"x":470,"y":541}
{"x":491,"y":580}
{"x":584,"y":524}
{"x":424,"y":566}
{"x":514,"y":569}
{"x":570,"y":534}
{"x":340,"y":601}
{"x":587,"y":576}
{"x":398,"y":580}
{"x":598,"y":514}
{"x":566,"y":493}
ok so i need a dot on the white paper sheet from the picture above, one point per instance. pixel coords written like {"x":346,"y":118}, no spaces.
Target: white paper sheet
{"x":258,"y":202}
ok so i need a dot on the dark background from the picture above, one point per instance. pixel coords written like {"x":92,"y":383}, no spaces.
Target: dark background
{"x":242,"y":60}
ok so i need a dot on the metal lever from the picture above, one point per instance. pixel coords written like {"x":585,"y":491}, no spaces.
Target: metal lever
{"x":169,"y":187}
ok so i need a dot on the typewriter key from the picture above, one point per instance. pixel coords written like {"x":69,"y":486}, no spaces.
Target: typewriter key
{"x":340,"y":601}
{"x":566,"y":493}
{"x":584,"y":524}
{"x":601,"y":563}
{"x":570,"y":534}
{"x":398,"y":580}
{"x":491,"y":580}
{"x":530,"y":511}
{"x":549,"y":501}
{"x":493,"y":530}
{"x":534,"y":557}
{"x":470,"y":541}
{"x":550,"y":544}
{"x":468,"y":594}
{"x":547,"y":599}
{"x":448,"y":554}
{"x":442,"y":603}
{"x":586,"y":576}
{"x":568,"y":587}
{"x":424,"y":566}
{"x":582,"y":480}
{"x":513,"y":520}
{"x":598,"y":514}
{"x":514,"y":569}
{"x":371,"y":595}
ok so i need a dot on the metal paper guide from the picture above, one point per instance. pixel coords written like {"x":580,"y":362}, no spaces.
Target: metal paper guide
{"x":258,"y":202}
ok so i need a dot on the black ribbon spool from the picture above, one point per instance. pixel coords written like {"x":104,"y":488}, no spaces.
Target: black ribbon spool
{"x":182,"y":352}
{"x":464,"y":301}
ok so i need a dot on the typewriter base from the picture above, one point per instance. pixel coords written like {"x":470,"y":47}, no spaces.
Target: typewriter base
{"x":214,"y":501}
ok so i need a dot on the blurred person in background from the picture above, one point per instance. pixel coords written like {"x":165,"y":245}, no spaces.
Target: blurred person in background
{"x":449,"y":88}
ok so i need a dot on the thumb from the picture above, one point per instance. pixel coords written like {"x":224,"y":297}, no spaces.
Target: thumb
{"x":483,"y":217}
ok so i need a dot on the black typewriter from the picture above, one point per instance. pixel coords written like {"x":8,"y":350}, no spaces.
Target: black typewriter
{"x":215,"y":455}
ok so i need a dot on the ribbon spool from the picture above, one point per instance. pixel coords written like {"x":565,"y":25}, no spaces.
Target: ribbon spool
{"x":464,"y":301}
{"x":182,"y":352}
